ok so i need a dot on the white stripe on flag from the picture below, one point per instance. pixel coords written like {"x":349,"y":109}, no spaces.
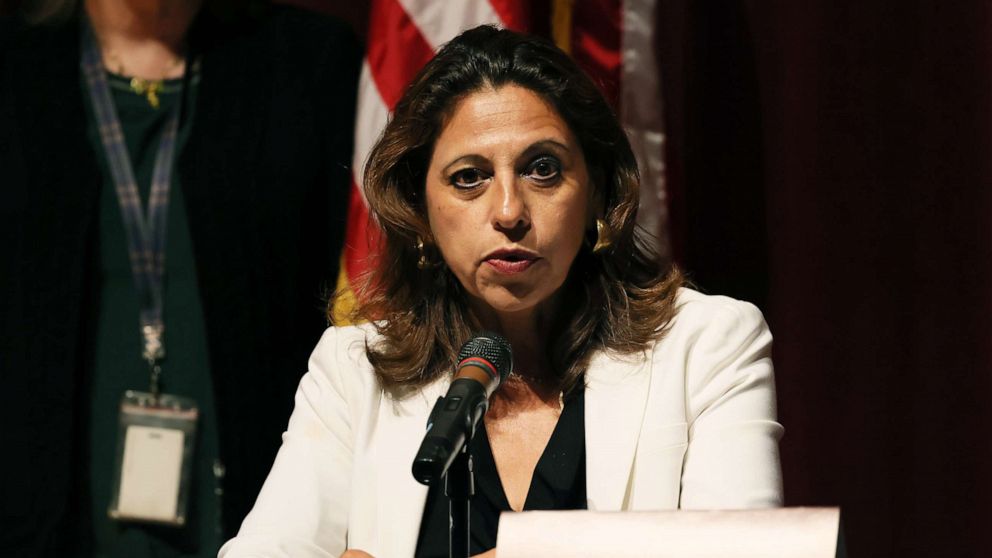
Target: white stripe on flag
{"x":439,"y":22}
{"x":371,"y":115}
{"x":642,"y":117}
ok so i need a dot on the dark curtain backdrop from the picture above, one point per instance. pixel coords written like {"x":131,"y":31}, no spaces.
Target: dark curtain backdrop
{"x":831,"y":161}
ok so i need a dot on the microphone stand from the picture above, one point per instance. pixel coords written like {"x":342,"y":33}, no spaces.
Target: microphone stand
{"x":483,"y":363}
{"x":459,"y":487}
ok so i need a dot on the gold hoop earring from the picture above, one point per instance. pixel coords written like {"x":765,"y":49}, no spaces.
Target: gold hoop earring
{"x":422,"y":261}
{"x":603,"y":238}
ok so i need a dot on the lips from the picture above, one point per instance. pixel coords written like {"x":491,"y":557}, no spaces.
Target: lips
{"x":511,"y":261}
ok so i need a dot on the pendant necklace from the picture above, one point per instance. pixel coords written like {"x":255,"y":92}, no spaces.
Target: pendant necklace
{"x":148,"y":88}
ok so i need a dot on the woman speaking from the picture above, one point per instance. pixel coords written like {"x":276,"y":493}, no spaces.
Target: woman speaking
{"x":507,"y":194}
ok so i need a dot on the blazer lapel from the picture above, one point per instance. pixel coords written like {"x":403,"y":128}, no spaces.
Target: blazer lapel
{"x":401,"y":498}
{"x":615,"y":398}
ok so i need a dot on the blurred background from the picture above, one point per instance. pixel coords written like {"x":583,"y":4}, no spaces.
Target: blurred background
{"x":831,"y":162}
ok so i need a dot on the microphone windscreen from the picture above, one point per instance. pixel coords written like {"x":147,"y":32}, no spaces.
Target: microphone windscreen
{"x":492,"y":347}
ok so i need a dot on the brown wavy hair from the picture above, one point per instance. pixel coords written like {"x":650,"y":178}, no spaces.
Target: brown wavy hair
{"x":616,"y":301}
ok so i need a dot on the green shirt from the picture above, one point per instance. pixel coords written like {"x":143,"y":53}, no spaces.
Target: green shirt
{"x":117,"y":363}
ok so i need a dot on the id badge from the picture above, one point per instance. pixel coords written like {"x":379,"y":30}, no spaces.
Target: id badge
{"x":154,"y":461}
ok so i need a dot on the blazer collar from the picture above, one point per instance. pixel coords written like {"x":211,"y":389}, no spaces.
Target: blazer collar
{"x":615,"y":399}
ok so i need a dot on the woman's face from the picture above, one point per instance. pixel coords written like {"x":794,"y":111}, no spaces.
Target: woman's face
{"x":508,"y":198}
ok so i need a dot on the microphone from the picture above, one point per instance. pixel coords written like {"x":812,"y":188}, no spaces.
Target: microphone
{"x":484,"y":362}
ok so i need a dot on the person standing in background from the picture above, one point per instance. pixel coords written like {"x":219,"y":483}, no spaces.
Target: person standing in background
{"x":174,"y":176}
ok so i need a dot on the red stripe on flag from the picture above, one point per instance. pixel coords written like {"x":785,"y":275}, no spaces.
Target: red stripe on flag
{"x":596,"y":32}
{"x":513,"y":14}
{"x":361,"y":239}
{"x":396,"y":50}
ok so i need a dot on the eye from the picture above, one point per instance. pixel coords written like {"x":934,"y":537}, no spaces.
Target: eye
{"x":544,"y":169}
{"x":468,"y":178}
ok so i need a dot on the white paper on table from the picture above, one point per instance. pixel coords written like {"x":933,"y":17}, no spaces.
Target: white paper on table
{"x":766,"y":533}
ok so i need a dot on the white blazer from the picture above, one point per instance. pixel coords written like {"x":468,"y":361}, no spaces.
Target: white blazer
{"x":690,"y":423}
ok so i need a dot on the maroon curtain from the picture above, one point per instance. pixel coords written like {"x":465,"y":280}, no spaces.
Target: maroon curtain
{"x":833,"y":162}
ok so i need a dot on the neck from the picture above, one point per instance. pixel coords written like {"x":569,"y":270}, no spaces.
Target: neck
{"x":532,"y":384}
{"x":163,"y":21}
{"x":144,"y":37}
{"x":528,"y":333}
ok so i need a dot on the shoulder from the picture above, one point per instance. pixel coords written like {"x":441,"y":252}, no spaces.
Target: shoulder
{"x":706,"y":331}
{"x":285,"y":36}
{"x":345,"y":343}
{"x":38,"y":42}
{"x":306,"y":26}
{"x":340,"y":383}
{"x":711,"y":332}
{"x":306,"y":35}
{"x":696,"y":312}
{"x":701,"y":321}
{"x":302,"y":61}
{"x":11,"y":28}
{"x":14,"y":30}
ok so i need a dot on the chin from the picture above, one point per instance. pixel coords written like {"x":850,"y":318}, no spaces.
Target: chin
{"x":508,"y":307}
{"x":506,"y":301}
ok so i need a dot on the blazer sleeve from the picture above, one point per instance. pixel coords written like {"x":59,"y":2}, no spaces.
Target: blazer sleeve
{"x":302,"y":510}
{"x":732,"y":460}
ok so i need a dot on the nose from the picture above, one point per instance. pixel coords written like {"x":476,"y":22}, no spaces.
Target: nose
{"x":510,"y":212}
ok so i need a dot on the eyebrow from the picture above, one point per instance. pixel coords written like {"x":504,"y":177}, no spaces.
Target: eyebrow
{"x":540,"y":145}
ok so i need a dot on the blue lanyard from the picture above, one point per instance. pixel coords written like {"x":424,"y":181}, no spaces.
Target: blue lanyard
{"x":145,"y":234}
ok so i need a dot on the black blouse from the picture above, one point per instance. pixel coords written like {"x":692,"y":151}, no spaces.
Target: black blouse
{"x":559,"y":483}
